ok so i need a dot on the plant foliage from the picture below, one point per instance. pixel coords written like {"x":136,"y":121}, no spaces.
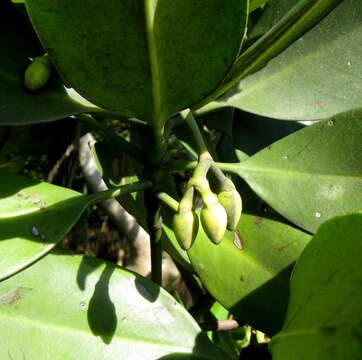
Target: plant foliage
{"x":195,"y":107}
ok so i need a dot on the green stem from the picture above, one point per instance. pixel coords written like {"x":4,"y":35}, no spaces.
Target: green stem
{"x":159,"y":150}
{"x":183,"y":165}
{"x":218,"y":174}
{"x":168,"y":200}
{"x":154,"y":148}
{"x":191,"y":122}
{"x":202,"y":169}
{"x":233,"y":168}
{"x":224,"y":182}
{"x":117,"y":191}
{"x":154,"y":224}
{"x":156,"y":257}
{"x":187,"y":200}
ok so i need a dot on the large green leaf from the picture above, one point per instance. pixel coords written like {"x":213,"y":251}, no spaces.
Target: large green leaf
{"x":313,"y":174}
{"x":34,"y":217}
{"x":18,"y":106}
{"x":147,"y":59}
{"x":72,"y":307}
{"x":316,"y":77}
{"x":324,"y":318}
{"x":249,"y":271}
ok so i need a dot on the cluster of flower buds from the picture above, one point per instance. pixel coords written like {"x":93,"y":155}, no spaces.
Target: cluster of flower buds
{"x":37,"y":73}
{"x":219,"y":212}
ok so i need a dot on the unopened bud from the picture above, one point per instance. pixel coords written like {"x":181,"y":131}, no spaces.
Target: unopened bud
{"x":185,"y":227}
{"x":37,"y":73}
{"x":213,"y":217}
{"x":232,"y":203}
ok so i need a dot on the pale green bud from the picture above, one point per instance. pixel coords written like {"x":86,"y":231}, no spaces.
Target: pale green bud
{"x":37,"y":73}
{"x":185,"y":227}
{"x":232,"y":203}
{"x":213,"y":217}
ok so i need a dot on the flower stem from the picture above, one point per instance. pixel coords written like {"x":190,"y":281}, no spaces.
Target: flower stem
{"x":117,"y":191}
{"x":168,"y":200}
{"x":191,"y":122}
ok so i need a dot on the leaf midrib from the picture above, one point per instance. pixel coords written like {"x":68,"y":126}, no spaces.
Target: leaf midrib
{"x":244,"y":170}
{"x":153,"y":59}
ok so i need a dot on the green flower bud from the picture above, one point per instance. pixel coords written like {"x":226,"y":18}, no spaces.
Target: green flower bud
{"x":185,"y":227}
{"x":37,"y":73}
{"x":232,"y":203}
{"x":213,"y":217}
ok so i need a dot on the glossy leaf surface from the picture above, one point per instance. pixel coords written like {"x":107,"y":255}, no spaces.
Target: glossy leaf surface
{"x":324,"y":319}
{"x":72,"y":307}
{"x":249,"y":271}
{"x":313,"y":174}
{"x":316,"y":77}
{"x":19,"y":106}
{"x":130,"y":56}
{"x":34,"y":217}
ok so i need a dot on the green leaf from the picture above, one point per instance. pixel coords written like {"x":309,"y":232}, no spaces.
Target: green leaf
{"x":317,"y":77}
{"x":18,"y":106}
{"x":324,"y":318}
{"x":72,"y":307}
{"x":34,"y":217}
{"x":252,"y":133}
{"x":270,"y":16}
{"x":145,"y":59}
{"x":313,"y":174}
{"x":249,"y":271}
{"x":254,"y":4}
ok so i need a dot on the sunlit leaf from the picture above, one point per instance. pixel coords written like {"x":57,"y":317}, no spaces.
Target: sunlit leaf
{"x":316,"y":77}
{"x":72,"y":307}
{"x":34,"y":217}
{"x":313,"y":174}
{"x":249,"y":271}
{"x":324,"y":319}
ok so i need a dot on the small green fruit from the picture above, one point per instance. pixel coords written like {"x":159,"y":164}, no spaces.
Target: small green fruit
{"x":185,"y":227}
{"x":232,"y":203}
{"x":37,"y":73}
{"x":213,"y":218}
